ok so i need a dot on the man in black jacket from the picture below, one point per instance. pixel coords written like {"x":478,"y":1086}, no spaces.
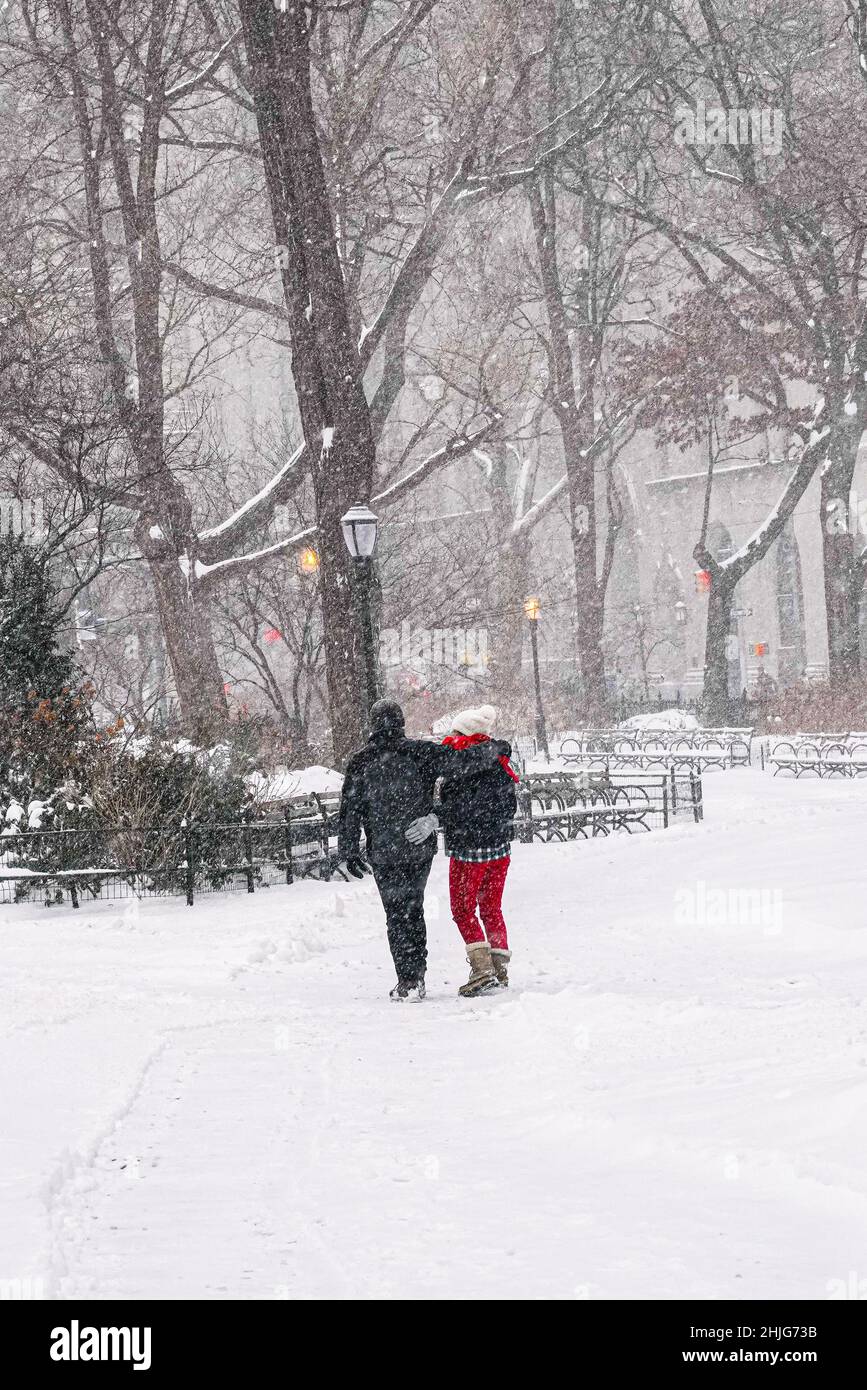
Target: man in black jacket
{"x":388,"y":792}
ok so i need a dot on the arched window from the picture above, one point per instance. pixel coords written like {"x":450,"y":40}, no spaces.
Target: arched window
{"x":719,"y":541}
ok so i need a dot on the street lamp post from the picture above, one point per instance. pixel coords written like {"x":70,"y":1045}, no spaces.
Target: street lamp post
{"x":359,"y":527}
{"x":681,"y":618}
{"x":739,"y":614}
{"x":643,"y":654}
{"x":532,"y":608}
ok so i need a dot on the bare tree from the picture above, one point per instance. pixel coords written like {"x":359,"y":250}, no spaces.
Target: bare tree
{"x":775,"y":264}
{"x":360,"y":57}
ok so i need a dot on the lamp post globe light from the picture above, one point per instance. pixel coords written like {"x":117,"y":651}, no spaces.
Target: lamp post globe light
{"x":532,"y":608}
{"x":359,"y":526}
{"x":359,"y":531}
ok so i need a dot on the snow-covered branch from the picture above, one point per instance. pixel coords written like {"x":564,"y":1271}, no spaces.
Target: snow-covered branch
{"x":192,"y":84}
{"x":395,"y":36}
{"x":259,"y":507}
{"x":208,"y":575}
{"x":456,"y":448}
{"x":532,"y":515}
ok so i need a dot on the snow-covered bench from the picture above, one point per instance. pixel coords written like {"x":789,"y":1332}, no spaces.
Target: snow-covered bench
{"x":818,"y":754}
{"x":648,"y":748}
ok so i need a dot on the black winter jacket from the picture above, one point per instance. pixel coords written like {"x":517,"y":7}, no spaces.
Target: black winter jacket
{"x":477,"y":809}
{"x":390,"y":783}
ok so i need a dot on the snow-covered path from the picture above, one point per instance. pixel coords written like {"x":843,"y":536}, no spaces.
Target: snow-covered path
{"x":221,"y":1102}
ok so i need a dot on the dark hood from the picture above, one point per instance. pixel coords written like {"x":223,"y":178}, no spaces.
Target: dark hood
{"x":386,"y":722}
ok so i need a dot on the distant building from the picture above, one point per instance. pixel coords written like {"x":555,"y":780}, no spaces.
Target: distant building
{"x":778,"y":629}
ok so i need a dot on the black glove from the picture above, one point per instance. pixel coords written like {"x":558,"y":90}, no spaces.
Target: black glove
{"x":356,"y":866}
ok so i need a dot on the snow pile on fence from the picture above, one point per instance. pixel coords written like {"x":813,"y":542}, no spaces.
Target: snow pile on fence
{"x":662,"y":719}
{"x":284,"y":783}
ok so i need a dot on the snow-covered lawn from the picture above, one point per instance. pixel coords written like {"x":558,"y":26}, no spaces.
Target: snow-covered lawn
{"x":670,"y":1101}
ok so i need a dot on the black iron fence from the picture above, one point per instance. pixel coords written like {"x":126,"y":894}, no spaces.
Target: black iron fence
{"x":622,"y":707}
{"x":184,"y":859}
{"x":742,"y":709}
{"x":99,"y":861}
{"x":568,"y":806}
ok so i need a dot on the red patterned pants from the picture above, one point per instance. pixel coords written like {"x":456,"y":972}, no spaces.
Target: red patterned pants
{"x":479,"y":885}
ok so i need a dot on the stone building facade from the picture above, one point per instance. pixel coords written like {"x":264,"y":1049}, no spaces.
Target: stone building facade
{"x":778,"y":630}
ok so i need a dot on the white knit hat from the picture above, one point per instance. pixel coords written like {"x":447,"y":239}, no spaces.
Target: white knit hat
{"x":475,"y":721}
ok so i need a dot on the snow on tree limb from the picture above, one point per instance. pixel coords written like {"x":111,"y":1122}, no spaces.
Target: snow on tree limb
{"x":272,"y":494}
{"x":192,"y":84}
{"x":209,"y":574}
{"x":735,"y":566}
{"x":398,"y":32}
{"x":535,"y":513}
{"x":461,"y":192}
{"x":456,"y":448}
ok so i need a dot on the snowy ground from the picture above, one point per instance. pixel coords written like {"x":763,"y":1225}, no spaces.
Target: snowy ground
{"x":670,"y":1101}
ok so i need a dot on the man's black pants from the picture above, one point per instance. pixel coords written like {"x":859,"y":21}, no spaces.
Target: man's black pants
{"x":401,"y":888}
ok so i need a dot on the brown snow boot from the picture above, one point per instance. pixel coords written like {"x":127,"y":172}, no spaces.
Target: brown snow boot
{"x":482,"y":978}
{"x":500,"y":961}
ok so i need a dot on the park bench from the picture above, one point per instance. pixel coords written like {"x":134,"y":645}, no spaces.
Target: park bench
{"x":817,"y":755}
{"x":697,"y":749}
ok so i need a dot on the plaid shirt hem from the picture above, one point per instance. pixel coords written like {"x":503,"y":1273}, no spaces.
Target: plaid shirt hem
{"x":480,"y":856}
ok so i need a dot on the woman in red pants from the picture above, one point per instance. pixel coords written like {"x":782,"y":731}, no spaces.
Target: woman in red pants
{"x":477,"y":813}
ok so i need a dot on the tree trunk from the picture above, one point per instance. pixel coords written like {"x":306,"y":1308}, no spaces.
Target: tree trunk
{"x":842,"y":591}
{"x":325,"y":363}
{"x":121,"y":190}
{"x":506,"y":619}
{"x":840,"y":565}
{"x":577,"y":429}
{"x":506,"y":629}
{"x":716,"y":704}
{"x":190,"y":646}
{"x":589,"y":598}
{"x":342,"y":639}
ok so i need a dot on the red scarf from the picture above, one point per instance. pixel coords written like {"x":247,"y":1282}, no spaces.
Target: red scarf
{"x":467,"y":740}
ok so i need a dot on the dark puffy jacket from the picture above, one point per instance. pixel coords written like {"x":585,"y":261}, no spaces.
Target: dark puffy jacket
{"x":391,"y":782}
{"x":477,"y":809}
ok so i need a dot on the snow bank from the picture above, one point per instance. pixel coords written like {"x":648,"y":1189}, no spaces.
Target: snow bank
{"x":662,"y":719}
{"x":670,"y":1101}
{"x":284,"y":783}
